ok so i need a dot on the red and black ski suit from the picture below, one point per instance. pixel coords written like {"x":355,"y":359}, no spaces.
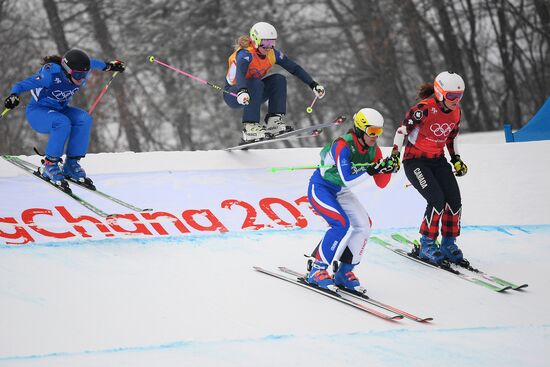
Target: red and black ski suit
{"x":429,"y":128}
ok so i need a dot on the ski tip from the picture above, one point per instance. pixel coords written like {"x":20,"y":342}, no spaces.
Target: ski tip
{"x":112,"y":216}
{"x":340,"y":119}
{"x":427,"y":319}
{"x":503,"y":289}
{"x":520,"y":287}
{"x":397,"y":317}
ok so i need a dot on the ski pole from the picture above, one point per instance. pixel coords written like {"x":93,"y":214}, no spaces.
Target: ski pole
{"x":309,"y":109}
{"x":102,"y":92}
{"x":6,"y":110}
{"x":153,"y":60}
{"x":276,"y":169}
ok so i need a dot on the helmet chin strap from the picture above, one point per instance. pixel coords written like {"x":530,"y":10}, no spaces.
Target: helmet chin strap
{"x":444,"y":105}
{"x":360,"y":136}
{"x":68,"y":76}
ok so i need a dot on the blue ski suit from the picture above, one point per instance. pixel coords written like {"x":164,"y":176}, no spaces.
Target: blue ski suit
{"x":48,"y":111}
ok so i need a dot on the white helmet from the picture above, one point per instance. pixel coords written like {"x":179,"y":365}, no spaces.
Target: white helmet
{"x":448,"y":85}
{"x":369,"y":121}
{"x":262,"y":31}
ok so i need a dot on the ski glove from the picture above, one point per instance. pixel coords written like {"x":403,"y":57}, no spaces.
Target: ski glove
{"x":390,"y":164}
{"x":394,"y":162}
{"x":243,"y":97}
{"x":12,"y":101}
{"x":318,"y":89}
{"x":460,"y":167}
{"x":115,"y":65}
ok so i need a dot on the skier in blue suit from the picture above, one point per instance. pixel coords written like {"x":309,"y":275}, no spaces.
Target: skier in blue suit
{"x":48,"y":111}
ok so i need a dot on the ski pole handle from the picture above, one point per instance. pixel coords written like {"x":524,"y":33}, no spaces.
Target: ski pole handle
{"x":102,"y":92}
{"x":309,"y":109}
{"x":217,"y":87}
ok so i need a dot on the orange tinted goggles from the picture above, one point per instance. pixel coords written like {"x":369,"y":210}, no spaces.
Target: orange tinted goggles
{"x":373,"y":131}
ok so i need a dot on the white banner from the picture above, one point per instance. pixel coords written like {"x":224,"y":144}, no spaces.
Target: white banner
{"x":186,"y":202}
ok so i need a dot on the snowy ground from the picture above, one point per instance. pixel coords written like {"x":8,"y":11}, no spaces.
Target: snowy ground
{"x":193,"y":298}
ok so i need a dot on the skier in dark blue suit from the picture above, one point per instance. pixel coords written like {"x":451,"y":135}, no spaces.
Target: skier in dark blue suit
{"x":48,"y":111}
{"x":254,"y":56}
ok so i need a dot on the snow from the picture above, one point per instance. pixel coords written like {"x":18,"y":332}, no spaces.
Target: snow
{"x":193,"y":298}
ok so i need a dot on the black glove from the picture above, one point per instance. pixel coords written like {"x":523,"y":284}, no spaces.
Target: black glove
{"x":460,"y":167}
{"x":12,"y":101}
{"x":394,"y":161}
{"x":390,"y":164}
{"x":115,"y":65}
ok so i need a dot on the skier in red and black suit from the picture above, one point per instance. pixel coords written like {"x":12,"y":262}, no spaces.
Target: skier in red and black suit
{"x":431,"y":125}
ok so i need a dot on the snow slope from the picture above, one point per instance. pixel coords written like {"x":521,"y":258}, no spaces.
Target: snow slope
{"x":181,"y":289}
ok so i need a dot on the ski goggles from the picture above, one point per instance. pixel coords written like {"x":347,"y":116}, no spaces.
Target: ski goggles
{"x":75,"y":74}
{"x":78,"y":74}
{"x":449,"y":95}
{"x":452,"y":96}
{"x":374,"y":131}
{"x":267,"y":44}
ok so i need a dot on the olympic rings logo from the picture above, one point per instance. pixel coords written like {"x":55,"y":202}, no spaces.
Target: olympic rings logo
{"x":441,"y":129}
{"x":64,"y":95}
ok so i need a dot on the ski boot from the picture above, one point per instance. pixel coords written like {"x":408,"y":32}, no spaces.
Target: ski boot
{"x":74,"y":172}
{"x":415,"y":252}
{"x":430,"y":252}
{"x":344,"y":278}
{"x":275,"y":124}
{"x":319,"y":276}
{"x":51,"y":171}
{"x":452,"y":253}
{"x":253,"y":131}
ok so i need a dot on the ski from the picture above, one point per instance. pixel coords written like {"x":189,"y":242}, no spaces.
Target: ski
{"x":457,"y":273}
{"x":400,"y":238}
{"x":65,"y":190}
{"x":364,"y":297}
{"x":306,"y":132}
{"x":33,"y":170}
{"x":112,"y":198}
{"x":300,"y":281}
